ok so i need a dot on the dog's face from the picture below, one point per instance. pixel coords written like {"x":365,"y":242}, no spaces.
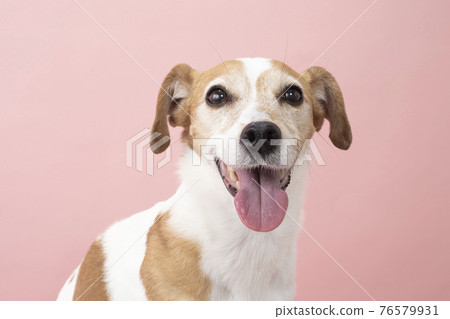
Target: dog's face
{"x":255,"y":117}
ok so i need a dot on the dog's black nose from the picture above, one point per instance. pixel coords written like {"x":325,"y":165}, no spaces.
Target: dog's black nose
{"x":266,"y":131}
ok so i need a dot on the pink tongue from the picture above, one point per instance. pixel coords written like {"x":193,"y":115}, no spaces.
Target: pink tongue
{"x":258,"y":206}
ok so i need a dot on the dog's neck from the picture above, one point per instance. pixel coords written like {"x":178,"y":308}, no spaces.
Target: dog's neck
{"x":248,"y":262}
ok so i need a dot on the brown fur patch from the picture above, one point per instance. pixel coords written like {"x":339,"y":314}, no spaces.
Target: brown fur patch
{"x":231,"y":72}
{"x":330,"y":105}
{"x":270,"y":85}
{"x":225,"y":70}
{"x":91,"y":269}
{"x":304,"y":79}
{"x":170,"y":107}
{"x":171,"y":266}
{"x":322,"y":92}
{"x":182,"y":112}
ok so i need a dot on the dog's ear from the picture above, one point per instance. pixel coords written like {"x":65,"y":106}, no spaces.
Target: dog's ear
{"x":169,"y":107}
{"x":329,"y":104}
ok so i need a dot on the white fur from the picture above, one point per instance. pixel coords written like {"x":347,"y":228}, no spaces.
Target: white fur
{"x":242,"y":264}
{"x":66,"y":293}
{"x":124,"y":250}
{"x":254,"y":67}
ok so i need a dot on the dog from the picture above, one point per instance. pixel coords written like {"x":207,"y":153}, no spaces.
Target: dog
{"x":230,"y":230}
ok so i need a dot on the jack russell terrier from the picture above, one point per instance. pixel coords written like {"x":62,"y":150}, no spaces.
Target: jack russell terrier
{"x":224,"y":235}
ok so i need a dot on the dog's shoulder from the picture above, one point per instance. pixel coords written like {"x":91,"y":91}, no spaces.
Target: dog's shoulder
{"x":110,"y":270}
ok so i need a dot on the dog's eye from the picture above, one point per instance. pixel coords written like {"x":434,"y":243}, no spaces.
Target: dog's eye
{"x":293,"y":95}
{"x":217,"y":96}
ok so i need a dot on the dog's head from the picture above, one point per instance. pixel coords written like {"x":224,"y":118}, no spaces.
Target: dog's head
{"x":262,"y":113}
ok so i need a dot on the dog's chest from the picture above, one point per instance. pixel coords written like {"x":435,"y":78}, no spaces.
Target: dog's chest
{"x":250,"y":267}
{"x":241,"y":264}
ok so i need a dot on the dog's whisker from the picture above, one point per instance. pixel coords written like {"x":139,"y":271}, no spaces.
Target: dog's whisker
{"x":220,"y":57}
{"x":285,"y":53}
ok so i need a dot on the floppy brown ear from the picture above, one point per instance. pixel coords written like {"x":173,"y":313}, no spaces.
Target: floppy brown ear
{"x":330,"y":105}
{"x":174,"y":89}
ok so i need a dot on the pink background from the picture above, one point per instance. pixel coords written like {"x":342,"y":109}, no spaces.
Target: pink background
{"x":70,"y":98}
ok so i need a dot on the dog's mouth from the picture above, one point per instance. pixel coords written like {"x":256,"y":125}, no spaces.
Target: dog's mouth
{"x":259,"y":193}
